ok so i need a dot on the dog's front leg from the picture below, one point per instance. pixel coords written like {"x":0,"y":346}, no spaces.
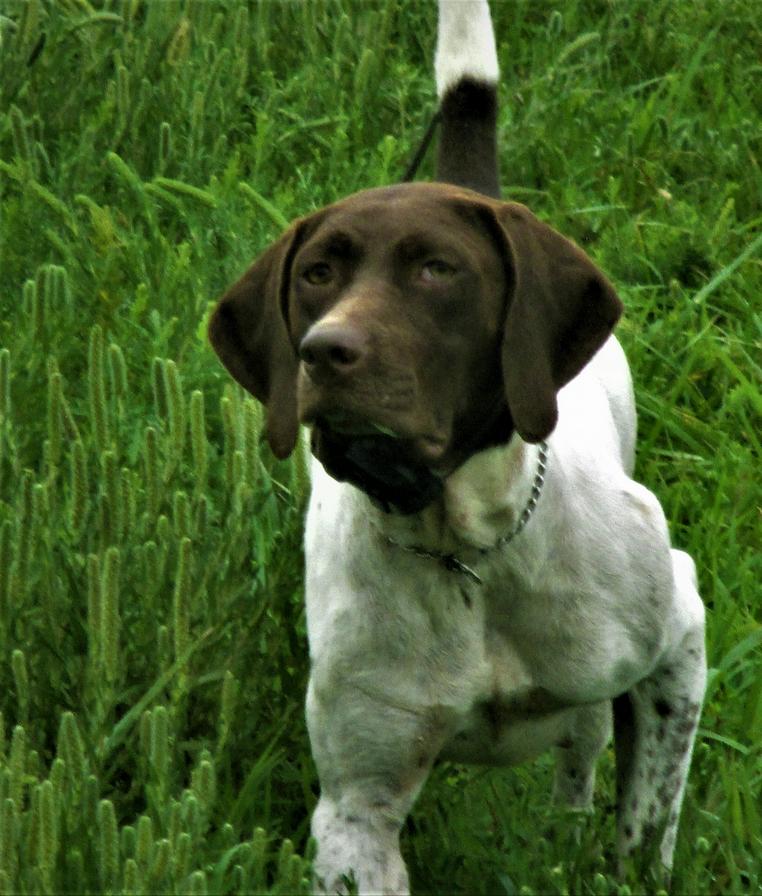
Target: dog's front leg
{"x":373,"y":754}
{"x":654,"y":729}
{"x":357,"y":837}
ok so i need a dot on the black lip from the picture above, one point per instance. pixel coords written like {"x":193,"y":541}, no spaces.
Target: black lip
{"x":380,"y":465}
{"x":352,"y":426}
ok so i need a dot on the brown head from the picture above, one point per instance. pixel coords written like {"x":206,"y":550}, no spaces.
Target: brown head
{"x":412,"y":326}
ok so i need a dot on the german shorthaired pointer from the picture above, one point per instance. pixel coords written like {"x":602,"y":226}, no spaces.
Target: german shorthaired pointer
{"x":484,"y":579}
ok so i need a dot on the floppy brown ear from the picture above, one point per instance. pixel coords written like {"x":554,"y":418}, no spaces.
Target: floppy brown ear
{"x":249,"y":333}
{"x":561,"y":312}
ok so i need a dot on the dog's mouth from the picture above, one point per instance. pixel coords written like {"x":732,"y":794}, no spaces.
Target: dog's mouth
{"x":349,"y":426}
{"x":378,"y":460}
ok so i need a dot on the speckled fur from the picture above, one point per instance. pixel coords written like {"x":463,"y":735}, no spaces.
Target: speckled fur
{"x":588,"y":605}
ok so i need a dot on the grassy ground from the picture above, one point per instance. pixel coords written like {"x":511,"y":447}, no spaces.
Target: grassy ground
{"x":153,"y":650}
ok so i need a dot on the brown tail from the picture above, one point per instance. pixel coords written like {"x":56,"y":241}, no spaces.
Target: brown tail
{"x":467,"y":73}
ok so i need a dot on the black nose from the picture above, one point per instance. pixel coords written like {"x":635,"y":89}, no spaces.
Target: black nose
{"x":337,"y":348}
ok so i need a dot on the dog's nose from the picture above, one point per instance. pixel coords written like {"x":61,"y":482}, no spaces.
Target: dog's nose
{"x":335,"y":348}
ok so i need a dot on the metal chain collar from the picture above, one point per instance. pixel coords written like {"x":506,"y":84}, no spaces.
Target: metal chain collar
{"x":451,"y":562}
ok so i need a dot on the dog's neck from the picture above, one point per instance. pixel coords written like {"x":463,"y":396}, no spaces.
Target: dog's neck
{"x":481,"y":501}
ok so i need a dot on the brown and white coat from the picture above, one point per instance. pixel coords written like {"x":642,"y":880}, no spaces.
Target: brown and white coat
{"x":437,"y":341}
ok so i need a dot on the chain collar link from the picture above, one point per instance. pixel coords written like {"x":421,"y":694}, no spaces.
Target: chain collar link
{"x":451,"y":562}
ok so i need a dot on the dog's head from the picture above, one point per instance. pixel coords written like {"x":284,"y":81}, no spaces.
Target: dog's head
{"x":412,"y":326}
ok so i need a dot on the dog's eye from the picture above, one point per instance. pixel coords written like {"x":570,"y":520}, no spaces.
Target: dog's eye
{"x":436,"y":269}
{"x":318,"y":274}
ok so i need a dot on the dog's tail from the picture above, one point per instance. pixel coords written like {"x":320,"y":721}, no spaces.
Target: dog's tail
{"x":467,"y":73}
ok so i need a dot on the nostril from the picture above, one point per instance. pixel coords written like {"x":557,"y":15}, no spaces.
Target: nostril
{"x":343,"y":356}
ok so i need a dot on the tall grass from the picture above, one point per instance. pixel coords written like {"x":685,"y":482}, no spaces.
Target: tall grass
{"x":154,"y":656}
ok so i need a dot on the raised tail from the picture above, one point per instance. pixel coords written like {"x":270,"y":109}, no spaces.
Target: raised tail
{"x":467,"y":73}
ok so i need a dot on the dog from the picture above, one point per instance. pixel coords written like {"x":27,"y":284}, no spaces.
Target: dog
{"x":484,"y":579}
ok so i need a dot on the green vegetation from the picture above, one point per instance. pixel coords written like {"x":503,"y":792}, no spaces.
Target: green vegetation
{"x":153,"y":651}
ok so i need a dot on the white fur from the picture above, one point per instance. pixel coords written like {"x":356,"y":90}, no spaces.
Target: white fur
{"x":587,"y":603}
{"x":412,"y":661}
{"x":465,"y":44}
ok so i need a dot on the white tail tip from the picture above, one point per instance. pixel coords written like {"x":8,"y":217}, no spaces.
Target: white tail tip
{"x":465,"y":44}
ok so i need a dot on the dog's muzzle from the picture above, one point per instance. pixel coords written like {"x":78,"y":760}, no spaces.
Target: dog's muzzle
{"x":379,"y":465}
{"x":379,"y":461}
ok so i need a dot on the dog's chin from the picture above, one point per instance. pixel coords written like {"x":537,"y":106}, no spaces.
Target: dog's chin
{"x":380,"y":464}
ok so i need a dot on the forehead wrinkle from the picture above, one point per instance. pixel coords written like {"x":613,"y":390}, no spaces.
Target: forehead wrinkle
{"x":416,"y":245}
{"x":337,"y":243}
{"x":400,"y":223}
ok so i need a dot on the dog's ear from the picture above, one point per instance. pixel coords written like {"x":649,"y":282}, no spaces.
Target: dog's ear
{"x":561,"y":311}
{"x":249,"y":332}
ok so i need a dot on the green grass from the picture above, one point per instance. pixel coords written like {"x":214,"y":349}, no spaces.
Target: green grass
{"x":153,"y":648}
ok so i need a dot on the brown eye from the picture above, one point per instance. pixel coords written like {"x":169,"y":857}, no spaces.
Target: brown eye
{"x":318,"y":274}
{"x":436,"y":269}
